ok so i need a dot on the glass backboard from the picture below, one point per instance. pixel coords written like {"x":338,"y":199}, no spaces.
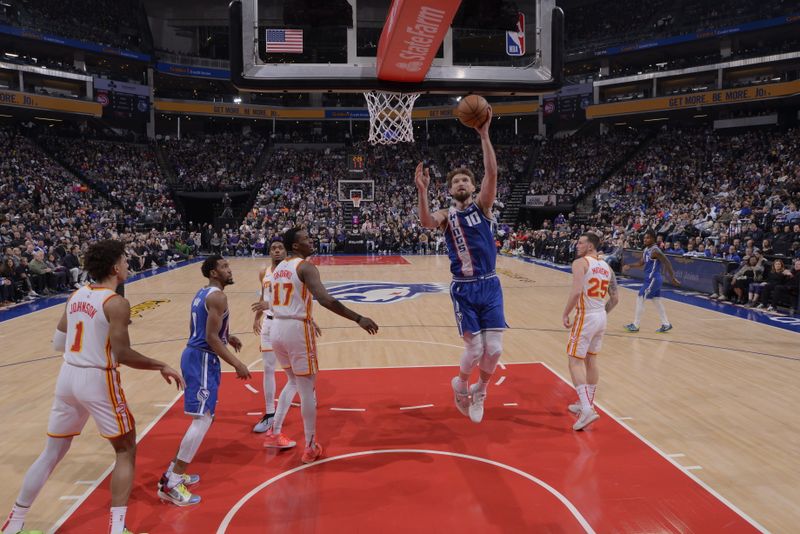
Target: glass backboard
{"x":498,"y":47}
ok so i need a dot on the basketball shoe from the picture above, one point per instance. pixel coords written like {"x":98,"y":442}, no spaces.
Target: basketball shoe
{"x":312,"y":453}
{"x":664,"y":329}
{"x":586,"y":418}
{"x":277,"y":441}
{"x":179,"y":495}
{"x":265,"y":424}
{"x":476,"y":406}
{"x":574,"y":408}
{"x":461,"y":397}
{"x":631,"y":327}
{"x":186,"y":480}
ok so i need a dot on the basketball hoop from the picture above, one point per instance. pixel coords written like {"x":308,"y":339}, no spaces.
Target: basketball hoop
{"x":390,"y":117}
{"x":356,"y":201}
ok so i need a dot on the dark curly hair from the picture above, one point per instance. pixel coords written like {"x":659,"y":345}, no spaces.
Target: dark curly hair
{"x":460,"y":170}
{"x":101,"y":257}
{"x":210,"y":264}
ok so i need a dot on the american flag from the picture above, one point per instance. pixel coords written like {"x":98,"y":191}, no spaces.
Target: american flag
{"x":286,"y":41}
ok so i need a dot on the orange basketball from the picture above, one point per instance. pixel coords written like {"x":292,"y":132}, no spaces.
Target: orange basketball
{"x":472,"y":111}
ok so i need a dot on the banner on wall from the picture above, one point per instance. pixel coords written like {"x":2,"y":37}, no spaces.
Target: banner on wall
{"x":696,"y":100}
{"x":72,"y":43}
{"x":192,"y":71}
{"x":50,"y":103}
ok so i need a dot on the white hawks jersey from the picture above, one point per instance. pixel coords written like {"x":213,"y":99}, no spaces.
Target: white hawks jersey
{"x":291,"y":299}
{"x":88,"y":341}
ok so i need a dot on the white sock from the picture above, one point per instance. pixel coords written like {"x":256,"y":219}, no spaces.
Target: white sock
{"x":583,"y":395}
{"x":16,"y":520}
{"x":662,"y":313}
{"x":308,"y":406}
{"x":284,"y":402}
{"x":592,"y":390}
{"x":637,"y":316}
{"x":118,"y":519}
{"x":461,"y":385}
{"x":170,"y":468}
{"x":482,"y":385}
{"x":269,"y":381}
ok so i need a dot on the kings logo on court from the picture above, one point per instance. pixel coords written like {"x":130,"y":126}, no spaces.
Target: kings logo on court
{"x":380,"y":292}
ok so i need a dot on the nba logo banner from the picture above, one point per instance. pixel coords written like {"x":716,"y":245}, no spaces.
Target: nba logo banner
{"x":515,"y":41}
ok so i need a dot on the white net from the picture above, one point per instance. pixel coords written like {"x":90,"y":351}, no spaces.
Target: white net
{"x":390,"y":117}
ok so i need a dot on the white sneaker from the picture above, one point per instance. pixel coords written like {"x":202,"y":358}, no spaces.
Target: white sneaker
{"x":461,"y":398}
{"x":264,"y":424}
{"x":574,"y":408}
{"x":476,"y":406}
{"x":586,"y":418}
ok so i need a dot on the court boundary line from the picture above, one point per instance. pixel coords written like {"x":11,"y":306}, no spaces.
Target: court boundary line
{"x":139,"y":437}
{"x":223,"y":527}
{"x":755,"y":524}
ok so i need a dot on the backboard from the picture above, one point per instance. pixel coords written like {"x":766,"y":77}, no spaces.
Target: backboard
{"x":498,"y":47}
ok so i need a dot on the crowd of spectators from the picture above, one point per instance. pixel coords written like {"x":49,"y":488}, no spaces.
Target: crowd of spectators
{"x":220,"y":162}
{"x":118,"y":23}
{"x":706,"y":194}
{"x":48,"y":217}
{"x":126,"y":173}
{"x":572,"y":166}
{"x":596,"y":24}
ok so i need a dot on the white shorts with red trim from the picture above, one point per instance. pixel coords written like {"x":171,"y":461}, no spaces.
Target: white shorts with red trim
{"x":266,"y":327}
{"x":295,"y":345}
{"x":586,"y":336}
{"x":84,"y":391}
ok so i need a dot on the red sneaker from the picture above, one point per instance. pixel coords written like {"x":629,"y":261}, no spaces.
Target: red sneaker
{"x":312,"y":453}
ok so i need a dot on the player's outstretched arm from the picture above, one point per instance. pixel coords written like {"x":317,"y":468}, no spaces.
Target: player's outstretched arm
{"x":578,"y":274}
{"x":488,"y":191}
{"x":613,"y":293}
{"x":118,"y":312}
{"x":217,"y":303}
{"x":309,"y":275}
{"x":660,"y":256}
{"x":422,"y":179}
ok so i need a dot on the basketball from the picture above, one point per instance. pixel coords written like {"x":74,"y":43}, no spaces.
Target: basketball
{"x":472,"y":111}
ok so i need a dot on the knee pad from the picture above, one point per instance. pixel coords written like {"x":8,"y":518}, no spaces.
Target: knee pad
{"x":493,"y":348}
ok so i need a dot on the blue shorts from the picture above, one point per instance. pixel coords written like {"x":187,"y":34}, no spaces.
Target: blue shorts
{"x":201,"y":371}
{"x":651,"y":288}
{"x":478,"y":305}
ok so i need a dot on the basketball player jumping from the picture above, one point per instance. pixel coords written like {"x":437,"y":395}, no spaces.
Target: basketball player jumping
{"x":652,"y":260}
{"x":592,"y":280}
{"x":93,"y":336}
{"x":475,"y":290}
{"x":208,"y":342}
{"x":261,"y":327}
{"x":294,"y":282}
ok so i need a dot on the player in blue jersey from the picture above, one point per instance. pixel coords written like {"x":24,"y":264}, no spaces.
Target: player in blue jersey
{"x":208,"y":341}
{"x":652,"y":260}
{"x":475,"y":289}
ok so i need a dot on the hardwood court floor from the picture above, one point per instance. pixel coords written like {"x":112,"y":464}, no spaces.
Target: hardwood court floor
{"x":693,"y":392}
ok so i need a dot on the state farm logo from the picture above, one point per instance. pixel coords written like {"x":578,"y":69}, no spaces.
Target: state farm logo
{"x":411,"y":66}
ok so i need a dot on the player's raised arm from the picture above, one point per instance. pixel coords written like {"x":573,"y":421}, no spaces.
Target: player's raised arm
{"x":118,"y":312}
{"x":217,"y":303}
{"x":488,"y":191}
{"x":309,"y":275}
{"x":422,"y":179}
{"x":638,"y":265}
{"x":613,"y":293}
{"x":579,"y":267}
